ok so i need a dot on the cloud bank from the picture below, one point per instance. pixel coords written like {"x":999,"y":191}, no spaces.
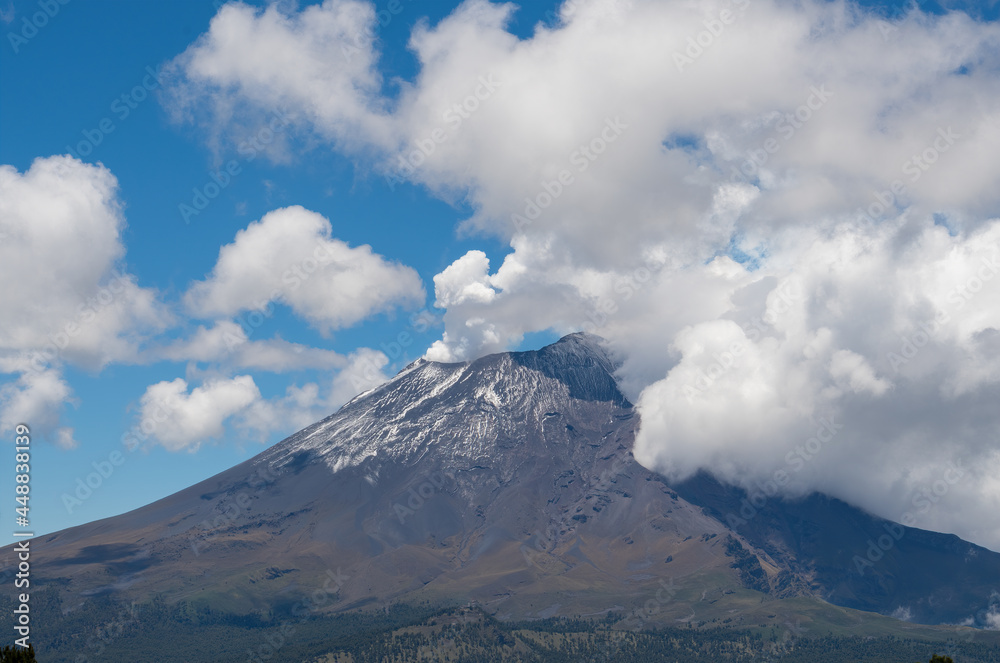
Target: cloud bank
{"x":784,"y":216}
{"x":60,"y":256}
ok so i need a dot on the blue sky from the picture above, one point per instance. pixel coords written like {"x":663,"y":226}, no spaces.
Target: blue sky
{"x":656,"y":250}
{"x":62,"y":83}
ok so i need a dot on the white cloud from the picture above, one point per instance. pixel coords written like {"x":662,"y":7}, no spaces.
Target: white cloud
{"x":183,"y":421}
{"x":227,"y":342}
{"x":993,"y":618}
{"x":466,"y":279}
{"x":289,"y":256}
{"x":559,"y":87}
{"x":626,"y":169}
{"x":877,"y":341}
{"x":290,"y":61}
{"x":70,"y":299}
{"x":301,"y":406}
{"x":364,"y":371}
{"x":852,"y":372}
{"x":61,"y":226}
{"x":36,"y":400}
{"x":298,"y":408}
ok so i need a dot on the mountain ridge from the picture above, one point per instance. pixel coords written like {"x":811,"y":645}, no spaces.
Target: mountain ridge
{"x":507,"y":482}
{"x":576,"y":361}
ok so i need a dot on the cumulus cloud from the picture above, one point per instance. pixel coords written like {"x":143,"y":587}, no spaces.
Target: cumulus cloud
{"x":77,"y":306}
{"x":288,"y":60}
{"x":880,"y":342}
{"x":183,"y":420}
{"x":466,"y":279}
{"x":301,"y":406}
{"x":364,"y":371}
{"x":36,"y":399}
{"x":788,"y":230}
{"x":289,"y":257}
{"x":228,"y":342}
{"x":60,"y":242}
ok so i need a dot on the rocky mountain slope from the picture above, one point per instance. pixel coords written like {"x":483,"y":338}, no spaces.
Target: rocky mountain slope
{"x":508,"y":482}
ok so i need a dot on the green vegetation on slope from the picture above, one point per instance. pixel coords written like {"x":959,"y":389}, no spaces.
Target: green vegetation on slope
{"x":106,"y":631}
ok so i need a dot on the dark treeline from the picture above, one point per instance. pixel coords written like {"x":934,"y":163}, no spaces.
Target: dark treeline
{"x":106,"y":631}
{"x":13,"y":654}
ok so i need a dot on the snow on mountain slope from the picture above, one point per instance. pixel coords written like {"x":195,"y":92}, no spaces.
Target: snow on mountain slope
{"x":463,"y":410}
{"x":508,"y":481}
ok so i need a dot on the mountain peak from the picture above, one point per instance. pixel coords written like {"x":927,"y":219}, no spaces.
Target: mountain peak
{"x":434,"y":405}
{"x":581,"y":344}
{"x":581,"y":362}
{"x":508,"y":481}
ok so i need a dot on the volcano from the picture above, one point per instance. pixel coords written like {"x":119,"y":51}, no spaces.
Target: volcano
{"x":508,"y":483}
